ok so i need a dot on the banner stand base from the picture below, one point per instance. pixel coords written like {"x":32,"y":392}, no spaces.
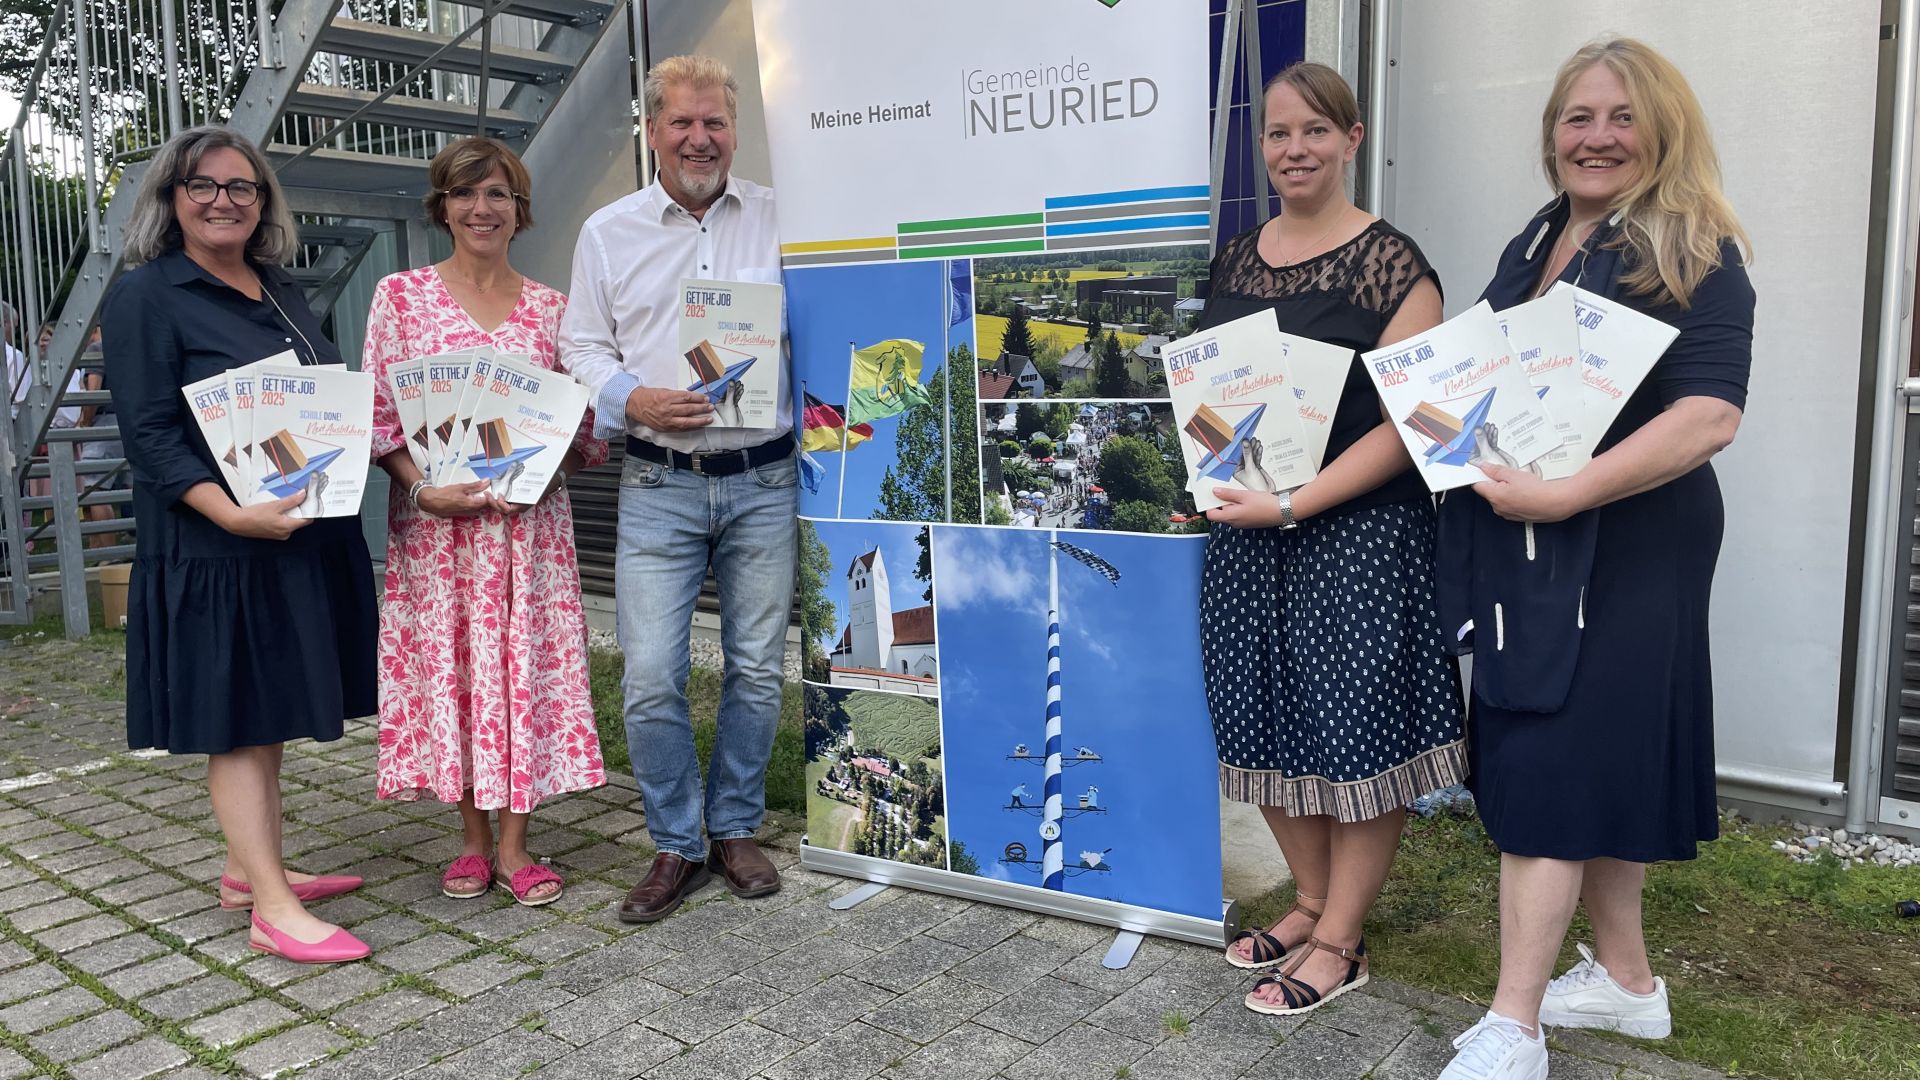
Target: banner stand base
{"x":1120,"y":953}
{"x":1140,"y":920}
{"x":865,"y":892}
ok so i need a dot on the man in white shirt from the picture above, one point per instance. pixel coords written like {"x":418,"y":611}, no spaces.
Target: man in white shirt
{"x":692,"y":495}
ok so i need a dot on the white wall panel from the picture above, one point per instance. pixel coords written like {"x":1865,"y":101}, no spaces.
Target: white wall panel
{"x":1789,"y":89}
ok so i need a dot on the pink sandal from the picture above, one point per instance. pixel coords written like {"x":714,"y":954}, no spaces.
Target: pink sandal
{"x":526,"y":879}
{"x":339,"y":946}
{"x":306,"y":892}
{"x":476,"y":867}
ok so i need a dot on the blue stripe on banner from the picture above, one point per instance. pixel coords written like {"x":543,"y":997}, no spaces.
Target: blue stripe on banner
{"x":1056,"y":882}
{"x":1108,"y":198}
{"x":1165,"y":221}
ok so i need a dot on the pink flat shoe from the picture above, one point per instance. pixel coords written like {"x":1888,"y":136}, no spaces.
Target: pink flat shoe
{"x":525,"y":879}
{"x":340,"y":946}
{"x":475,"y":867}
{"x":306,"y":892}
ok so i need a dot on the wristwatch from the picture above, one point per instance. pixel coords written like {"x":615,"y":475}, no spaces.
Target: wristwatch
{"x":1286,"y":511}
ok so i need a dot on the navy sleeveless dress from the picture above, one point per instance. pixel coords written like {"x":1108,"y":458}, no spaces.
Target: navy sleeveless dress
{"x":231,"y":641}
{"x":1330,"y":690}
{"x":1600,"y":742}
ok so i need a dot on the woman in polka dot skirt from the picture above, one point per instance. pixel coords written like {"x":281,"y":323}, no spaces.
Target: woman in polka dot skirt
{"x":1334,"y":702}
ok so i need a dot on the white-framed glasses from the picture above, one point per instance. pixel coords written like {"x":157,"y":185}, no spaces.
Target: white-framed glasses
{"x":499,"y":198}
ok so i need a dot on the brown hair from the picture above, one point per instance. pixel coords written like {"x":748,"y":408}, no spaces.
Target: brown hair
{"x":467,"y":162}
{"x":1675,"y":215}
{"x":1321,"y":87}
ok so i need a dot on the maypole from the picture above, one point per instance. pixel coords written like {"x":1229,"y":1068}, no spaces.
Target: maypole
{"x":1052,"y":867}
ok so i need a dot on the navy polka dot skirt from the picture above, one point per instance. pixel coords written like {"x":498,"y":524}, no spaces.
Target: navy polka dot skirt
{"x":1330,"y":690}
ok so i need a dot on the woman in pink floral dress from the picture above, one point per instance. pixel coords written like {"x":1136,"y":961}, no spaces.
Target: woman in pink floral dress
{"x":484,"y":698}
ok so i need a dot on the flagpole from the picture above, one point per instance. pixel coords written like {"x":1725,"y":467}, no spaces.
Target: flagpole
{"x":946,"y":385}
{"x":846,"y":423}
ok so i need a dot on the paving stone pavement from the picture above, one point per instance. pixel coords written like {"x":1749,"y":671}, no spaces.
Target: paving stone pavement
{"x":116,"y":964}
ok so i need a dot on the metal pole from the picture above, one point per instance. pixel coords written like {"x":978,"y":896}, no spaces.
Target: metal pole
{"x":1053,"y":874}
{"x":486,"y":66}
{"x":171,"y":60}
{"x":1223,"y":108}
{"x":1877,"y":562}
{"x":1386,"y":22}
{"x":81,"y":52}
{"x":643,"y":60}
{"x":66,"y":534}
{"x":946,"y":386}
{"x":1256,"y":79}
{"x":263,"y":26}
{"x":29,"y":247}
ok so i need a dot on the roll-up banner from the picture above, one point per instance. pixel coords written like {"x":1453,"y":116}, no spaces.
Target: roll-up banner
{"x":992,"y":217}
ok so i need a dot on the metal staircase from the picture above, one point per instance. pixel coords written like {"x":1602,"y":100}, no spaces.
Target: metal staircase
{"x":349,"y":98}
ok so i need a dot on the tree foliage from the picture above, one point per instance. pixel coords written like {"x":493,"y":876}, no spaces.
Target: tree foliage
{"x":1135,"y":516}
{"x":914,"y":487}
{"x":1132,"y":470}
{"x":816,"y":611}
{"x":1017,"y":338}
{"x":1110,"y":371}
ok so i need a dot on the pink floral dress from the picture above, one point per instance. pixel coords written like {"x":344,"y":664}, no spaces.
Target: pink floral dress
{"x":483,"y":643}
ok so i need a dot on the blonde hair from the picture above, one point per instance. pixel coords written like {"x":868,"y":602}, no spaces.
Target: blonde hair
{"x":1675,"y":215}
{"x":1323,"y":89}
{"x":153,"y":229}
{"x":466,"y":162}
{"x":698,"y":72}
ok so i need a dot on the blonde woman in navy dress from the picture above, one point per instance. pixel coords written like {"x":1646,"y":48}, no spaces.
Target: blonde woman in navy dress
{"x":1592,"y":720}
{"x":1334,"y":702}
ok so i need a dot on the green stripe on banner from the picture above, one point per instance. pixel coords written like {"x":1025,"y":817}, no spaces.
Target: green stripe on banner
{"x":949,"y":251}
{"x":971,"y":223}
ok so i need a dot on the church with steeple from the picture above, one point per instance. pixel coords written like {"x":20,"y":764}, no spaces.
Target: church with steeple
{"x":881,"y":648}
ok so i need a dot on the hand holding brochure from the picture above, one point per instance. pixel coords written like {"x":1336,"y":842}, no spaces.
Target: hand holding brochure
{"x":313,"y":432}
{"x":1458,"y":398}
{"x":1248,"y":417}
{"x":730,"y":336}
{"x":523,"y":421}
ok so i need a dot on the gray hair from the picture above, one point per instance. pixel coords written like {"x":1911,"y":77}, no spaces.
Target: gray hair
{"x":153,"y":230}
{"x":698,"y":72}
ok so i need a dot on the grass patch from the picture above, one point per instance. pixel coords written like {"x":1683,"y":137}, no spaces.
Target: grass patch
{"x":904,"y":727}
{"x":1776,"y":968}
{"x":786,"y":769}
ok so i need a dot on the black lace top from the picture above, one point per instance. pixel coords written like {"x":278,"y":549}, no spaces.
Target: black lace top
{"x":1343,"y":297}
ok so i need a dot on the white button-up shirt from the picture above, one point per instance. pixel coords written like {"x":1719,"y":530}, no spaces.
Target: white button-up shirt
{"x":622,"y":326}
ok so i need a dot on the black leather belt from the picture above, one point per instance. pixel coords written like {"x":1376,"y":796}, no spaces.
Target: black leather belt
{"x":713,"y":462}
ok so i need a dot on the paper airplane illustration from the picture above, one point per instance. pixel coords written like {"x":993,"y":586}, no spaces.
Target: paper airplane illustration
{"x":292,"y":467}
{"x":1452,"y":436}
{"x":714,"y":377}
{"x":497,"y":453}
{"x":1225,"y":443}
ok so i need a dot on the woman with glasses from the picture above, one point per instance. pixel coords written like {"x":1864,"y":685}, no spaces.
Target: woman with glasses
{"x":483,"y":668}
{"x":245,"y":627}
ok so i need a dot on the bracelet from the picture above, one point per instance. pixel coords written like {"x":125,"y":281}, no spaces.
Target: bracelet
{"x":1286,"y":511}
{"x":413,"y":493}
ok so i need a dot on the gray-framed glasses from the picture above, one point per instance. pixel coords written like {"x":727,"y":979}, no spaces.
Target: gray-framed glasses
{"x":205,"y":189}
{"x":498,"y":198}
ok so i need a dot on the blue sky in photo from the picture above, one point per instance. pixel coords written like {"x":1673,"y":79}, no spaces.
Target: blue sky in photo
{"x":850,"y":540}
{"x":1131,"y":691}
{"x":829,"y":306}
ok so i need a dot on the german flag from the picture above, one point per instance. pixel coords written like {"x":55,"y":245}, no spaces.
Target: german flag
{"x":821,"y":426}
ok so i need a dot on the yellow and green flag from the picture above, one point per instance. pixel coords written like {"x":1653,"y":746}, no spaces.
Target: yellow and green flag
{"x":886,"y":379}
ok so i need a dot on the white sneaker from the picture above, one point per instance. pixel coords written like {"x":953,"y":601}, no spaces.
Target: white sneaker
{"x":1587,"y":997}
{"x":1498,"y":1048}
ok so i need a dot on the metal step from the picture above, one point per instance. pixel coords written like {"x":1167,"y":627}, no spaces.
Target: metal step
{"x":398,"y":45}
{"x":85,"y":397}
{"x":334,"y":235}
{"x":350,"y":170}
{"x":310,"y":276}
{"x":338,"y":103}
{"x":569,"y":12}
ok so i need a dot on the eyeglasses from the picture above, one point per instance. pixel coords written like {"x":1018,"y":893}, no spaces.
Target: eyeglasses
{"x":205,"y":189}
{"x":497,"y":197}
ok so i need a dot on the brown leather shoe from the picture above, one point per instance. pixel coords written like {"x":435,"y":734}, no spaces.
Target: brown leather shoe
{"x":747,"y":870}
{"x":669,"y":881}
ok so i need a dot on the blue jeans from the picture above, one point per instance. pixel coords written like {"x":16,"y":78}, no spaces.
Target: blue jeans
{"x":674,"y":523}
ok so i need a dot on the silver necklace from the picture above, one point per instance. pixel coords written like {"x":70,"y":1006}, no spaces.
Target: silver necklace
{"x":313,"y":355}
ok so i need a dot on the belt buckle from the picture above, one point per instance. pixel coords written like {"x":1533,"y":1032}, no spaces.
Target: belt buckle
{"x":694,"y":459}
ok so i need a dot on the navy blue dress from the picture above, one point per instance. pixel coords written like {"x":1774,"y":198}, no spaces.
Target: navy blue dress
{"x":231,"y":641}
{"x":1330,"y":689}
{"x":1596,"y":738}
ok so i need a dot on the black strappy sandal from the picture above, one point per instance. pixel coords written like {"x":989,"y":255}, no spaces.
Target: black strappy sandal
{"x":1302,"y":997}
{"x":1267,"y":951}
